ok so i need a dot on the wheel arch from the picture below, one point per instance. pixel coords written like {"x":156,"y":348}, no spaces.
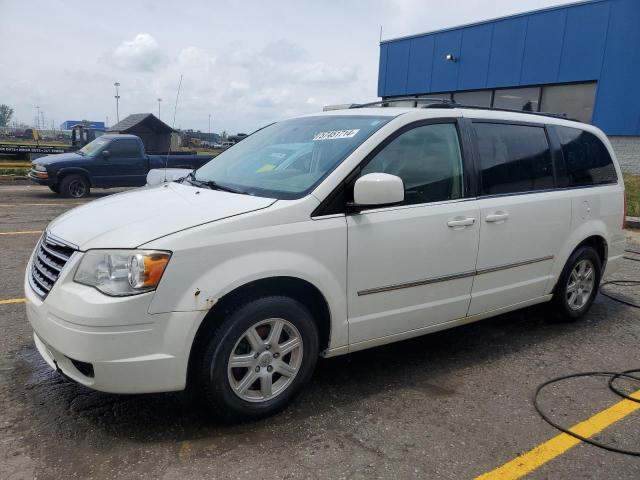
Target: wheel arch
{"x":595,"y":238}
{"x":599,"y":244}
{"x":65,"y":172}
{"x":289,"y":286}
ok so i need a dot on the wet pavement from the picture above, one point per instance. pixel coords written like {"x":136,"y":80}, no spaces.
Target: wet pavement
{"x":451,"y":405}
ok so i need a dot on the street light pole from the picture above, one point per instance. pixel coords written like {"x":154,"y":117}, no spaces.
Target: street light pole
{"x":117,"y":96}
{"x":159,"y":100}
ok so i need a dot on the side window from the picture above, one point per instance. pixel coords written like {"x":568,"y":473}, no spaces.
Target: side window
{"x":428,"y":161}
{"x":124,"y":147}
{"x":586,"y":159}
{"x":513,"y":158}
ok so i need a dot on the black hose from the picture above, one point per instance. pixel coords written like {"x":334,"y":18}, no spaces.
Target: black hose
{"x":621,"y":283}
{"x":613,"y":376}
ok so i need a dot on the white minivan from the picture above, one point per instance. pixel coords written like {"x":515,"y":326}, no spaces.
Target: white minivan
{"x":323,"y":235}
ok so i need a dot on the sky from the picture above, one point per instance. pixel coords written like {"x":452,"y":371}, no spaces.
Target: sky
{"x":245,"y":64}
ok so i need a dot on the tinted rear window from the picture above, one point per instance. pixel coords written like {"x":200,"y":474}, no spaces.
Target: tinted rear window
{"x":513,"y":158}
{"x":586,"y":159}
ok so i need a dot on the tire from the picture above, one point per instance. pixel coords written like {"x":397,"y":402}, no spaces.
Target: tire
{"x":55,"y":188}
{"x":577,"y":289}
{"x":229,"y":392}
{"x":75,"y":186}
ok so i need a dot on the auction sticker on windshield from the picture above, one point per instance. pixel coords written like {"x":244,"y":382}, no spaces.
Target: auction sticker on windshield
{"x":335,"y":134}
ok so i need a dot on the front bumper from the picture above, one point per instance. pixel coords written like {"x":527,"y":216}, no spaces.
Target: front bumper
{"x":128,"y":349}
{"x":40,"y":179}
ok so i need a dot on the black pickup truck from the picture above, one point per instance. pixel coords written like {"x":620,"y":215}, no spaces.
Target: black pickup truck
{"x":108,"y":161}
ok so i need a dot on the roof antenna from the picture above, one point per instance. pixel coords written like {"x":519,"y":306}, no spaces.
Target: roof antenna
{"x":380,"y":33}
{"x":175,"y":109}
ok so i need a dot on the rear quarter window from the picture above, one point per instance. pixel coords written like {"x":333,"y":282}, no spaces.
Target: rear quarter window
{"x":586,"y":159}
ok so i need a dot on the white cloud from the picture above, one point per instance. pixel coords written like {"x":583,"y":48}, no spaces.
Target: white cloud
{"x":142,"y":53}
{"x":318,"y":73}
{"x":283,"y":51}
{"x":195,"y":57}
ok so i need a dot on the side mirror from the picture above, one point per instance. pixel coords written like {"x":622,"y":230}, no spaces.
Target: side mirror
{"x":106,"y":154}
{"x":378,"y":189}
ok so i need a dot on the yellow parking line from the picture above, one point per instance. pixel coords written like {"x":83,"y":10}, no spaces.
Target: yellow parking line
{"x":533,"y":459}
{"x":23,"y":232}
{"x":12,"y":300}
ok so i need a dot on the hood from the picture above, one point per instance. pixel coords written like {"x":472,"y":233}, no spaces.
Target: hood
{"x":130,"y":219}
{"x":70,"y":157}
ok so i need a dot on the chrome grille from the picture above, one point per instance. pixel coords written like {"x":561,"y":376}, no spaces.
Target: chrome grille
{"x":48,"y":260}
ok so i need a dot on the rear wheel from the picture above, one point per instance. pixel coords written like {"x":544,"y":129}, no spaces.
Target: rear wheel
{"x":258,"y":360}
{"x":578,"y":284}
{"x":74,"y":186}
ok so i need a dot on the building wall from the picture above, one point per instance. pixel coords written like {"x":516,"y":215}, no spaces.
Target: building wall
{"x":628,"y":153}
{"x":68,"y":124}
{"x":596,"y":40}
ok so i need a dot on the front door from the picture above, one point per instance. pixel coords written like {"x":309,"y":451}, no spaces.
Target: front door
{"x":125,"y":166}
{"x":411,"y":266}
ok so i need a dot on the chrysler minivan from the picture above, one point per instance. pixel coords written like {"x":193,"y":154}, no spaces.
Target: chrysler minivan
{"x":323,"y":235}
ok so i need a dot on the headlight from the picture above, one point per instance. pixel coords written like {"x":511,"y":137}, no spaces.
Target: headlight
{"x":122,"y":272}
{"x":39,"y":168}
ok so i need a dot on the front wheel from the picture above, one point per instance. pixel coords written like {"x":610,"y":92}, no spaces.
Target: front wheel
{"x":578,"y":284}
{"x":75,"y":186}
{"x":258,"y":360}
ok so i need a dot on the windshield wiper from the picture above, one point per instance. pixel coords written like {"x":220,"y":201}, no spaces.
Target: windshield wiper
{"x":191,"y":178}
{"x":216,"y":186}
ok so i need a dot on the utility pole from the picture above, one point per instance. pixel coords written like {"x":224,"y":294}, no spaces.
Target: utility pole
{"x":37,"y":116}
{"x":117,"y":97}
{"x":209,"y":125}
{"x":159,"y":100}
{"x":43,"y":124}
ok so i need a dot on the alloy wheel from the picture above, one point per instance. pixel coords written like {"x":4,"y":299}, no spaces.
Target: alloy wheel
{"x":265,"y":360}
{"x":580,"y":284}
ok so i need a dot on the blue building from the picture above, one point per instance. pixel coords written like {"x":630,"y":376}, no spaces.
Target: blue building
{"x":582,"y":60}
{"x":68,"y":124}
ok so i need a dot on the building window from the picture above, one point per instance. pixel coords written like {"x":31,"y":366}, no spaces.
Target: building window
{"x":575,"y":101}
{"x":440,"y":96}
{"x":480,"y":98}
{"x":526,"y":99}
{"x":401,"y":103}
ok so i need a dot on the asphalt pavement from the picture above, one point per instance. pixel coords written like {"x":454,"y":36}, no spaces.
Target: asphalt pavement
{"x":456,"y":404}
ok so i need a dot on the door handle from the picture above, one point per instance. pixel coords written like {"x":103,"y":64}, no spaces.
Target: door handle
{"x":497,"y":217}
{"x":461,"y":222}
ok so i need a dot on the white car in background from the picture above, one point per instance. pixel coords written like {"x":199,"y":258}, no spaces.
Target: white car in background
{"x":324,"y":235}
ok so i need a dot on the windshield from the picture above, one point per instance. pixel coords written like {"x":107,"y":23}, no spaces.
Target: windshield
{"x":92,"y":148}
{"x":288,"y":159}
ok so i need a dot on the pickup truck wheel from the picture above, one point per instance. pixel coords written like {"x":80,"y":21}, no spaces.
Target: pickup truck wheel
{"x":258,"y":359}
{"x":54,"y":188}
{"x":74,"y":186}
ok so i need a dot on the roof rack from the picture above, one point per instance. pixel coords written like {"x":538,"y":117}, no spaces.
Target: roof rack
{"x":562,"y":116}
{"x":429,"y":102}
{"x":444,"y":103}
